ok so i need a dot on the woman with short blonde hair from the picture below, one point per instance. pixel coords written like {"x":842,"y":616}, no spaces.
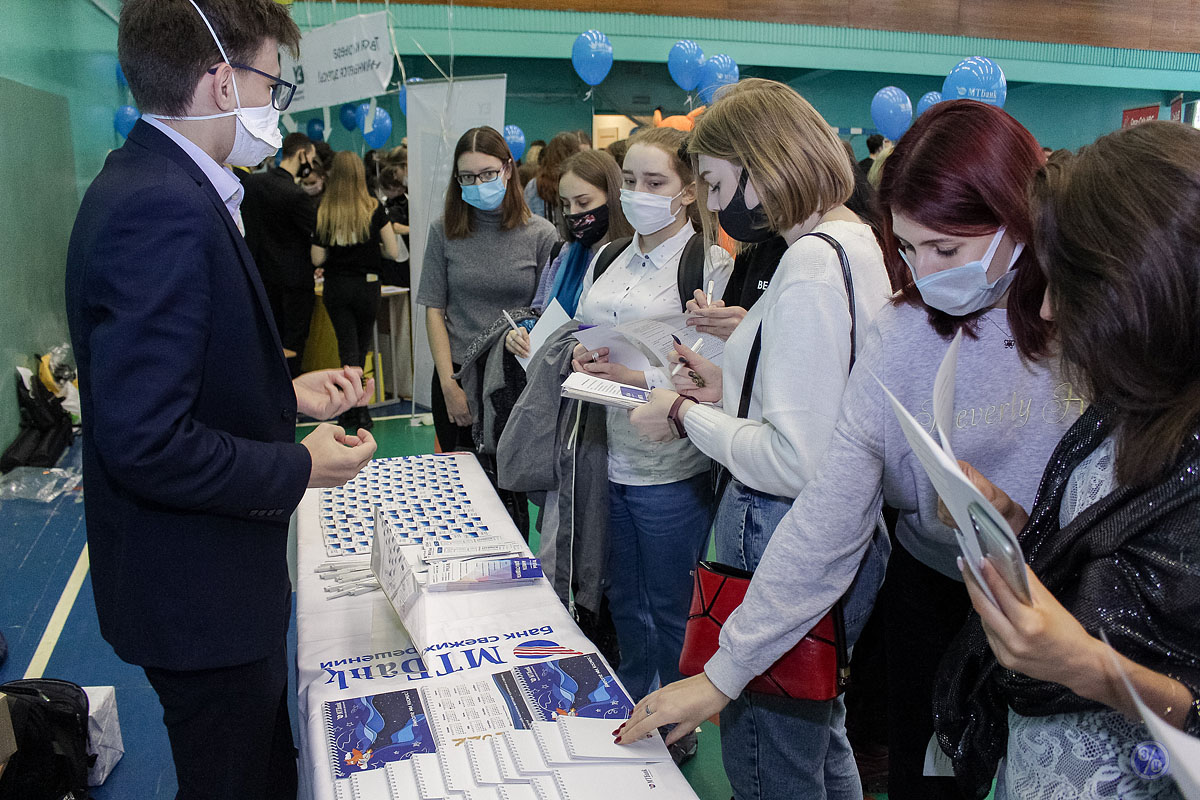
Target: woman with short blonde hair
{"x":769,"y":166}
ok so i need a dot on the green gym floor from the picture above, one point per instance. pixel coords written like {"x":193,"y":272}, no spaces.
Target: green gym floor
{"x":397,"y":437}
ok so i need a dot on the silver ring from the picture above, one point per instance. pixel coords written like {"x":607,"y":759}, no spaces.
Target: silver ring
{"x":648,"y":711}
{"x":595,"y":358}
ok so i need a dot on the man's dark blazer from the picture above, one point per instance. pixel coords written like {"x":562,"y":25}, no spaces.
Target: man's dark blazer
{"x":279,"y":219}
{"x":190,"y":469}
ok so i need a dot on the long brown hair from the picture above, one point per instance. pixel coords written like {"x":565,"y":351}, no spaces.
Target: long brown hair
{"x":344,"y":216}
{"x":458,"y":216}
{"x":964,"y":168}
{"x":550,"y":164}
{"x":598,"y":168}
{"x":1118,"y":233}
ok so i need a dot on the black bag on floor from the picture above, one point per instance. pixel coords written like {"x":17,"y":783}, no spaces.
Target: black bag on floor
{"x":50,"y":720}
{"x":45,"y":429}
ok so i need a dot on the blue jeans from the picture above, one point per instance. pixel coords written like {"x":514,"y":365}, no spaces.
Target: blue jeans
{"x":776,"y":747}
{"x":655,"y":537}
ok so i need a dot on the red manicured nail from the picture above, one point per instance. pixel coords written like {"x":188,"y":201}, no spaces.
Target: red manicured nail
{"x":618,"y":740}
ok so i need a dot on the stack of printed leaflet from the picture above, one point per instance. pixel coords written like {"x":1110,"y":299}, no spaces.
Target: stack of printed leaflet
{"x":537,"y":732}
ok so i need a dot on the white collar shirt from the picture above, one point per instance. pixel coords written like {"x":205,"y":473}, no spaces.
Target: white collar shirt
{"x":636,"y":285}
{"x":228,"y":187}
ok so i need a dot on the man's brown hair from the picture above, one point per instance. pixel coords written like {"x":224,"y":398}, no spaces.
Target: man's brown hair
{"x":164,"y":46}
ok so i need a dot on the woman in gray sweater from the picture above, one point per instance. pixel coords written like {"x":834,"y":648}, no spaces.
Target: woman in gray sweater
{"x":955,"y":224}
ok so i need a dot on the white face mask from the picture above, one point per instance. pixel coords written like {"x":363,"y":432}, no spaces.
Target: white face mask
{"x":258,"y":135}
{"x":647,"y":213}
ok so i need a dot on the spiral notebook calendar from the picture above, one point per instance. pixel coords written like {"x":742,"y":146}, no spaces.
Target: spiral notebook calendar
{"x":626,"y":781}
{"x":592,"y":740}
{"x":575,"y":686}
{"x":365,"y":733}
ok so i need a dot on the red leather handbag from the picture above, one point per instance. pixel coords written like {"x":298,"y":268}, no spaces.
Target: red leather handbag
{"x":817,"y":668}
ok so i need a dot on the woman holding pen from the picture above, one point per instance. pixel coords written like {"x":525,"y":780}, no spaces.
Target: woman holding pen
{"x":956,"y":227}
{"x":660,"y":498}
{"x":769,"y":166}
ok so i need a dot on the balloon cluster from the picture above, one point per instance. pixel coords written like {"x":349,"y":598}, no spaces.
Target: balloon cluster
{"x":690,"y":70}
{"x":354,"y":117}
{"x":975,"y":78}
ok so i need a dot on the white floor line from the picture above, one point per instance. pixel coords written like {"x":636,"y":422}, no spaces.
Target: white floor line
{"x":45,"y":648}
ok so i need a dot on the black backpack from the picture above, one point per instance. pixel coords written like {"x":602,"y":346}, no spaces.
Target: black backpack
{"x":50,"y":720}
{"x":691,"y":265}
{"x":45,"y":428}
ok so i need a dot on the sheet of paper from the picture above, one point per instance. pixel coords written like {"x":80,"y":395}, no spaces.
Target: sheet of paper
{"x":1181,"y":758}
{"x":943,"y":394}
{"x":553,"y":317}
{"x":592,"y":739}
{"x":655,"y":335}
{"x":952,"y":486}
{"x":620,"y":350}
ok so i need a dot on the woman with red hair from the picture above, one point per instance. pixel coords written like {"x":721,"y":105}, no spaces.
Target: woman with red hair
{"x":956,"y":234}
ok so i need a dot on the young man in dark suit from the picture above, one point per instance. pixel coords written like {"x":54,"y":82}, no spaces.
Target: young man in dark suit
{"x":189,"y":461}
{"x":280,"y":219}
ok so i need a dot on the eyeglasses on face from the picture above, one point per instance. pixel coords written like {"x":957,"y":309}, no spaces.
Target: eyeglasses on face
{"x":281,"y":90}
{"x":472,"y":178}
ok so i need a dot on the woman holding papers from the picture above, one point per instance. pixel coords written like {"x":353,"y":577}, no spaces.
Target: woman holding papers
{"x":747,"y":145}
{"x":590,"y":192}
{"x":660,"y":497}
{"x":1112,"y":542}
{"x":955,"y":217}
{"x":484,"y":254}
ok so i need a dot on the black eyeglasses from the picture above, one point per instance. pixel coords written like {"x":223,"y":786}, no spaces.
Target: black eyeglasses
{"x":470,"y":178}
{"x":281,"y":90}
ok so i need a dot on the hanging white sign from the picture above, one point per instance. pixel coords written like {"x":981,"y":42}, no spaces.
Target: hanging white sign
{"x":340,"y":63}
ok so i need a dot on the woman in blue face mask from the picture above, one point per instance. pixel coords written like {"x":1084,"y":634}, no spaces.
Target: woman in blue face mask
{"x":484,"y":254}
{"x":956,"y":182}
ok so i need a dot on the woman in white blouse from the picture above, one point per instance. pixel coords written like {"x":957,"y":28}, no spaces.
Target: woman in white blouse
{"x":747,"y":145}
{"x":660,"y":494}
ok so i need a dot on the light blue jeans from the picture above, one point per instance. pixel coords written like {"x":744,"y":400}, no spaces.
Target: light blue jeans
{"x":655,"y":536}
{"x":775,"y":747}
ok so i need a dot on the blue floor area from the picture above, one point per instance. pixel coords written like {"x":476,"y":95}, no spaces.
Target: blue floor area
{"x":39,"y":546}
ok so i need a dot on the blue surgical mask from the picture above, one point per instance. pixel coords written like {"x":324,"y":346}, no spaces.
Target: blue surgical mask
{"x":485,"y":196}
{"x":963,"y":290}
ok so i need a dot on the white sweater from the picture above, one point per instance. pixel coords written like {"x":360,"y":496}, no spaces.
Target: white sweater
{"x":802,"y":366}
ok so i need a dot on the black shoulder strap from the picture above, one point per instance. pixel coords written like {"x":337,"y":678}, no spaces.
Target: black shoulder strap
{"x":608,"y":255}
{"x":554,"y":251}
{"x":691,"y":269}
{"x":752,"y":359}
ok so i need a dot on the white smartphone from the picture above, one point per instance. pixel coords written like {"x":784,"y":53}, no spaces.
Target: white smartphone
{"x":997,"y":548}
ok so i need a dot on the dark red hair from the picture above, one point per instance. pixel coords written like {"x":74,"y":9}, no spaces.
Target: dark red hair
{"x":965,"y":169}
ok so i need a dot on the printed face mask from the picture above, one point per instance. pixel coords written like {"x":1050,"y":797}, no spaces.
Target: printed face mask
{"x":588,"y":227}
{"x":744,"y":224}
{"x":963,"y":290}
{"x":647,"y":213}
{"x":258,"y":135}
{"x":486,"y":196}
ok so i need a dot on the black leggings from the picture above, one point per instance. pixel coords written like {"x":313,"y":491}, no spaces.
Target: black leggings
{"x":353,"y":305}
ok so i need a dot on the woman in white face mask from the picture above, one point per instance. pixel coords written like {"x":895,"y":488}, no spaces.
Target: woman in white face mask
{"x":945,"y":197}
{"x":660,"y":497}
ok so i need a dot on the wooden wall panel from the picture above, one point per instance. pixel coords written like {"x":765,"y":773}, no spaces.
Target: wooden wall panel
{"x":1171,"y":25}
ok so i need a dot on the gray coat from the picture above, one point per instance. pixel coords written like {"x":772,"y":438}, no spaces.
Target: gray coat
{"x":560,"y":446}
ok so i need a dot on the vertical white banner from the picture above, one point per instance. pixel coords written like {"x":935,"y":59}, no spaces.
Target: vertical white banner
{"x":439,"y":111}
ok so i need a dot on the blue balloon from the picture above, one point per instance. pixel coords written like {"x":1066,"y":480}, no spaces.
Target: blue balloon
{"x":976,"y":78}
{"x":125,"y":118}
{"x":592,"y":56}
{"x":928,"y":100}
{"x":121,"y":80}
{"x":402,"y":100}
{"x":347,"y":117}
{"x":891,"y":110}
{"x":315,"y":129}
{"x":684,"y":62}
{"x":360,"y":115}
{"x":379,"y":134}
{"x":718,"y":71}
{"x":516,"y":141}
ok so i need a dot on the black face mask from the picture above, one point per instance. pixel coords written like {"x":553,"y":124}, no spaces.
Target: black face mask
{"x":588,"y":227}
{"x":305,"y":170}
{"x":748,"y":225}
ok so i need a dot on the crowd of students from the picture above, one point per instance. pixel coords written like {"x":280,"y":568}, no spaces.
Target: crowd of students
{"x":1074,"y":285}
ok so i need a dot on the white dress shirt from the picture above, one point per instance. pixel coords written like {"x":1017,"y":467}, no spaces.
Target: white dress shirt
{"x":228,"y":187}
{"x":637,"y":286}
